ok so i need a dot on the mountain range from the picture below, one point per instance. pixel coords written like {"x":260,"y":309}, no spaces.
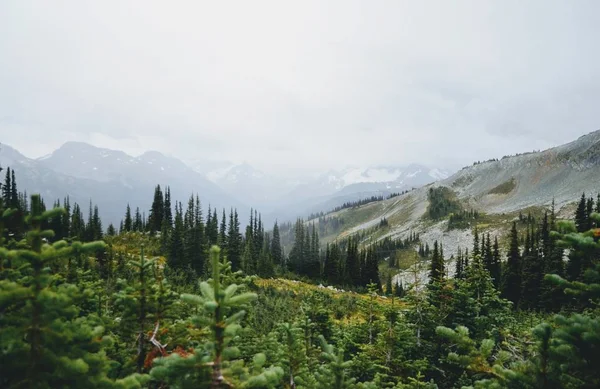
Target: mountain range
{"x":112,"y":178}
{"x":499,"y":189}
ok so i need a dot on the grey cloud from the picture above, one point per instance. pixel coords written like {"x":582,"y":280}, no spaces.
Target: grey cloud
{"x":300,"y":87}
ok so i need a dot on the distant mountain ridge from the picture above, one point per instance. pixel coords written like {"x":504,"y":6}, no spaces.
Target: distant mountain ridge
{"x":560,"y":173}
{"x":113,"y":178}
{"x":497,"y":187}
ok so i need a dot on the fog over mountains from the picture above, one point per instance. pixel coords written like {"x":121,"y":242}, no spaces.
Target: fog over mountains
{"x":112,"y":178}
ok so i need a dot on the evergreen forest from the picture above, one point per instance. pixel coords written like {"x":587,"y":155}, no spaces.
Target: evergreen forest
{"x":186,"y":296}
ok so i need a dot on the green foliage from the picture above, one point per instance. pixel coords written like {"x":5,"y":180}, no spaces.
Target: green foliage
{"x":504,"y":188}
{"x":442,"y":201}
{"x":45,"y":342}
{"x":90,"y":315}
{"x":213,"y":364}
{"x":333,"y":374}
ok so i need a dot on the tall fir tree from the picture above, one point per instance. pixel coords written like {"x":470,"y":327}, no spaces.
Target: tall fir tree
{"x":531,"y":273}
{"x":234,"y":241}
{"x":332,"y":265}
{"x":511,"y":287}
{"x":353,"y":263}
{"x":199,"y":244}
{"x":436,"y":269}
{"x":98,"y":231}
{"x":223,"y":233}
{"x":459,"y":265}
{"x":176,"y":255}
{"x":157,"y":210}
{"x":370,"y":271}
{"x":167,"y":211}
{"x":14,"y":193}
{"x":128,"y":224}
{"x":138,"y":224}
{"x":6,"y":189}
{"x":476,"y":247}
{"x":276,"y":250}
{"x":496,"y":265}
{"x":581,"y":214}
{"x":589,"y":209}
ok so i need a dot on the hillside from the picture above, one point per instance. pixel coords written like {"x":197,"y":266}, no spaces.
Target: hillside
{"x":110,"y":178}
{"x":498,"y":189}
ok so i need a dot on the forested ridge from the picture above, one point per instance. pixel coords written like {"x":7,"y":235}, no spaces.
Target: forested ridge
{"x":184,"y":298}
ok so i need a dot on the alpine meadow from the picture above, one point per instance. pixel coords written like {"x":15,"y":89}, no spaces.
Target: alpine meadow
{"x":299,"y":195}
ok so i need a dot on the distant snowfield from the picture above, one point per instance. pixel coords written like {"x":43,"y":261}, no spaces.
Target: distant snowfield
{"x":356,"y":176}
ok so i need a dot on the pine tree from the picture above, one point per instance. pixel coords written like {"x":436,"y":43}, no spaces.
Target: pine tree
{"x":334,"y":373}
{"x":551,"y":298}
{"x":77,"y":223}
{"x":137,"y":220}
{"x":265,"y":260}
{"x":98,"y":231}
{"x":45,"y":341}
{"x":298,"y":251}
{"x":193,"y":245}
{"x":133,"y":306}
{"x":589,"y":209}
{"x":248,"y":256}
{"x":66,"y":220}
{"x":111,"y":231}
{"x":496,"y":265}
{"x":89,"y":226}
{"x":176,"y":256}
{"x":353,"y":264}
{"x":511,"y":287}
{"x":212,"y":226}
{"x":234,"y":241}
{"x":294,"y":361}
{"x":436,"y":270}
{"x":7,"y":190}
{"x":276,"y":251}
{"x":212,"y":365}
{"x":565,"y":353}
{"x":399,"y":290}
{"x":488,"y":255}
{"x":459,"y":265}
{"x":14,"y":194}
{"x":370,"y":271}
{"x":581,"y":215}
{"x":223,"y":232}
{"x":128,"y":225}
{"x":332,"y":267}
{"x":167,"y":210}
{"x":476,"y":247}
{"x":157,"y":210}
{"x":310,"y":265}
{"x":531,"y":273}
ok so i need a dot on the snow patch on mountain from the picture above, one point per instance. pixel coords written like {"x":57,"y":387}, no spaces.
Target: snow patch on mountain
{"x":355,"y":176}
{"x":439,"y":174}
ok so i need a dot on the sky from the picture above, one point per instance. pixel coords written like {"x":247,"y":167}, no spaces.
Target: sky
{"x":303,"y":86}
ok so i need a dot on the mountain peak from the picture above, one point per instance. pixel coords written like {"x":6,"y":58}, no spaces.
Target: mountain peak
{"x":152,"y":155}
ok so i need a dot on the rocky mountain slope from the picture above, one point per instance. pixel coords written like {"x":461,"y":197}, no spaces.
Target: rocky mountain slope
{"x":499,"y":189}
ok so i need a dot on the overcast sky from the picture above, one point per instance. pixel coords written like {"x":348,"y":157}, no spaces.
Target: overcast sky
{"x":300,"y":86}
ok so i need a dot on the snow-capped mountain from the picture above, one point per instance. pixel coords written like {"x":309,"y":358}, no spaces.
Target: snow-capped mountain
{"x":111,"y":178}
{"x":271,"y":192}
{"x":244,"y":180}
{"x":82,"y":171}
{"x":372,"y":179}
